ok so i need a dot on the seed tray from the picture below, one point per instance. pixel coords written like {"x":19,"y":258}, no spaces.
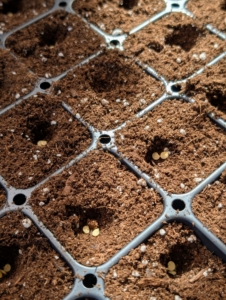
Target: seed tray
{"x":71,"y":193}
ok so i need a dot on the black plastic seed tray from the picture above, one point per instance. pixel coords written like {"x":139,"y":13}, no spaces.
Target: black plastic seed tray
{"x":177,"y":207}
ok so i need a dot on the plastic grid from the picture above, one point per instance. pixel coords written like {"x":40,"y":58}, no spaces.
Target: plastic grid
{"x":177,"y":207}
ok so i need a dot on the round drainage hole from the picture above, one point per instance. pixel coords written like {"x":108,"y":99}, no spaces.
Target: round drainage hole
{"x":105,"y":139}
{"x":89,"y":281}
{"x":63,"y":4}
{"x":45,"y":85}
{"x":175,"y":5}
{"x":114,"y":43}
{"x":178,"y":204}
{"x":19,"y":199}
{"x":175,"y":88}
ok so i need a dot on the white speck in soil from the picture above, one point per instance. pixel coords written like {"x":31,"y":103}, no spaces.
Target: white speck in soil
{"x":162,"y":232}
{"x":26,"y":223}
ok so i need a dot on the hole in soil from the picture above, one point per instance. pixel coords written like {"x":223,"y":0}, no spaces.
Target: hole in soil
{"x":104,"y":139}
{"x":39,"y":130}
{"x":50,"y":34}
{"x":19,"y":199}
{"x":89,"y":281}
{"x":223,"y":5}
{"x":63,"y":4}
{"x":184,"y":36}
{"x":182,"y":255}
{"x":45,"y":85}
{"x":11,"y":6}
{"x":217,"y":99}
{"x":158,"y":145}
{"x":176,"y":88}
{"x":8,"y":255}
{"x":175,"y":5}
{"x":155,"y":46}
{"x":114,"y":43}
{"x":178,"y":204}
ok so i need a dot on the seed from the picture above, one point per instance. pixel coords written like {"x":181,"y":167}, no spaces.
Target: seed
{"x":96,"y":232}
{"x":173,"y":272}
{"x":155,"y":156}
{"x":3,"y":272}
{"x":85,"y":229}
{"x":164,"y":155}
{"x":7,"y":268}
{"x":0,"y":274}
{"x":42,"y":143}
{"x":171,"y":266}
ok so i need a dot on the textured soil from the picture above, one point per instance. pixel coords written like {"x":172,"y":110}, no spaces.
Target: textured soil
{"x":37,"y":272}
{"x":54,"y":44}
{"x":199,"y":274}
{"x":23,"y":162}
{"x":109,"y":90}
{"x":16,"y":12}
{"x":175,"y":46}
{"x":106,"y":193}
{"x":13,"y":73}
{"x":196,"y":146}
{"x":2,"y":197}
{"x":110,"y":14}
{"x":214,"y":13}
{"x":210,"y":86}
{"x":210,"y":207}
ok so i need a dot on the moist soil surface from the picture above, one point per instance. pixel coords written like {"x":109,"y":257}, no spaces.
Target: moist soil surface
{"x":23,"y":162}
{"x":108,"y":90}
{"x":14,"y":13}
{"x":199,"y":274}
{"x":110,"y":14}
{"x":106,"y":194}
{"x":13,"y":73}
{"x":37,"y":272}
{"x":175,"y":46}
{"x":54,"y":44}
{"x":214,"y":13}
{"x":196,"y":146}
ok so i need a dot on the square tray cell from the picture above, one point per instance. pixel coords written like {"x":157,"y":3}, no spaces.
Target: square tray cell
{"x":146,"y":273}
{"x":36,"y":268}
{"x":54,"y":44}
{"x":213,"y":13}
{"x":195,"y":146}
{"x":210,"y":85}
{"x":23,"y":162}
{"x":17,"y":12}
{"x":108,"y":90}
{"x":15,"y":79}
{"x":110,"y":14}
{"x":175,"y":46}
{"x":2,"y":197}
{"x":210,"y":207}
{"x":99,"y":193}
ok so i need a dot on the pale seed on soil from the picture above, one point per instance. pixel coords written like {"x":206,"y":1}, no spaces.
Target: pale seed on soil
{"x":3,"y":272}
{"x":86,"y":229}
{"x":171,"y":266}
{"x":42,"y":143}
{"x":96,"y":232}
{"x":155,"y":156}
{"x":164,"y":155}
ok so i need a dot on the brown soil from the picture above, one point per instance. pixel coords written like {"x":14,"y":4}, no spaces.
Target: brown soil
{"x":214,"y":13}
{"x":211,"y":86}
{"x":2,"y":197}
{"x":110,"y":15}
{"x":36,"y":269}
{"x":145,"y":273}
{"x":196,"y":146}
{"x":106,"y":193}
{"x":109,"y":90}
{"x":175,"y":46}
{"x":13,"y":73}
{"x":210,"y":207}
{"x":54,"y":44}
{"x":23,"y":162}
{"x":14,"y":13}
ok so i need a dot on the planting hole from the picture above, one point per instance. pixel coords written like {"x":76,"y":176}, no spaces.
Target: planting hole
{"x":105,"y":139}
{"x":11,"y":6}
{"x":89,"y":281}
{"x":217,"y":99}
{"x":9,"y":256}
{"x":155,"y":46}
{"x":63,"y":4}
{"x":175,"y":88}
{"x":39,"y":130}
{"x":178,"y":204}
{"x":45,"y":85}
{"x":184,"y":36}
{"x":50,"y":34}
{"x":19,"y":199}
{"x":114,"y":43}
{"x":175,"y":5}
